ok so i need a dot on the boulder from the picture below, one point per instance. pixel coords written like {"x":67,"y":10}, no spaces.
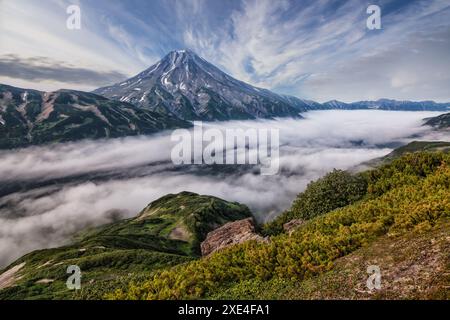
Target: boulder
{"x":293,"y":225}
{"x":230,"y":234}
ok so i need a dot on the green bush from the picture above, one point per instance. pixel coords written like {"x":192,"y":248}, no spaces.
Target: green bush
{"x":335,"y":190}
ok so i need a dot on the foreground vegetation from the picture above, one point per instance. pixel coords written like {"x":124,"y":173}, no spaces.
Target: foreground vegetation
{"x":410,"y":194}
{"x":397,"y":216}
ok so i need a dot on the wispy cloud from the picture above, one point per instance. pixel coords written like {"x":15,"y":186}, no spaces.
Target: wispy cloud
{"x":31,"y":29}
{"x":45,"y":69}
{"x":322,"y":49}
{"x":318,"y":49}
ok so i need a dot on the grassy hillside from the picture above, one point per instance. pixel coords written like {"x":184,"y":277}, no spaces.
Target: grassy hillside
{"x":414,"y":146}
{"x":166,"y":233}
{"x":411,"y":194}
{"x":413,"y":265}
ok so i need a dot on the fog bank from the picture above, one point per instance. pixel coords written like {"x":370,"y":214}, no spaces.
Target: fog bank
{"x":41,"y":217}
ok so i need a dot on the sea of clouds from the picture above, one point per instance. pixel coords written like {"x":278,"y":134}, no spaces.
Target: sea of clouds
{"x":67,"y":194}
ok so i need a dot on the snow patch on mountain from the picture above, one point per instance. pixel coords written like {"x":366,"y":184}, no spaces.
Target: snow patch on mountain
{"x":190,"y":87}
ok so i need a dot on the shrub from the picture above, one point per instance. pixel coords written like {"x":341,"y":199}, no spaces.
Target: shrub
{"x":335,"y":190}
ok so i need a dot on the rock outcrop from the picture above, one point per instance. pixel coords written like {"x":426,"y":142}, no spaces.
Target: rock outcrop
{"x":293,"y":225}
{"x":230,"y":234}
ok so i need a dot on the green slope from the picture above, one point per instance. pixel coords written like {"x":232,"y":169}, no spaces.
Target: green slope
{"x":414,"y":146}
{"x":167,"y":232}
{"x":411,"y":194}
{"x":413,"y":265}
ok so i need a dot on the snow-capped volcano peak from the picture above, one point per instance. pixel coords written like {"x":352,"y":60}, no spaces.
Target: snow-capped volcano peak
{"x":172,"y":61}
{"x":187,"y":85}
{"x":184,"y":84}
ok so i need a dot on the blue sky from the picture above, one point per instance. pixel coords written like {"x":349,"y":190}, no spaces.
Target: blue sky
{"x":316,"y":49}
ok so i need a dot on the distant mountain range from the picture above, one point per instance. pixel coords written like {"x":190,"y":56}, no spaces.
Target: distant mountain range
{"x":180,"y":88}
{"x":388,"y":104}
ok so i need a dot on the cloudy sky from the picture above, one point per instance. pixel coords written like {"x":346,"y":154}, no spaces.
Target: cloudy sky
{"x":314,"y":49}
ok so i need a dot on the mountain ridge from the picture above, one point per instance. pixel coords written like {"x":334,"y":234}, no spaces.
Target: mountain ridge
{"x":441,"y":122}
{"x":32,"y":117}
{"x":388,"y":104}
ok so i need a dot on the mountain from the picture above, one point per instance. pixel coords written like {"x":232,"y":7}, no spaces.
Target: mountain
{"x":190,"y":87}
{"x":30,"y":117}
{"x":303,"y":104}
{"x":334,"y":104}
{"x":165,"y":233}
{"x":441,"y":122}
{"x":179,"y":88}
{"x":388,"y":104}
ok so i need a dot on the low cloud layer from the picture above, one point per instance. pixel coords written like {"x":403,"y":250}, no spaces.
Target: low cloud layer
{"x":44,"y":69}
{"x":137,"y":171}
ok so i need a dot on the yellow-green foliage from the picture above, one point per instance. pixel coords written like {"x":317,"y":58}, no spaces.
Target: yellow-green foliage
{"x":411,"y":192}
{"x":335,"y":190}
